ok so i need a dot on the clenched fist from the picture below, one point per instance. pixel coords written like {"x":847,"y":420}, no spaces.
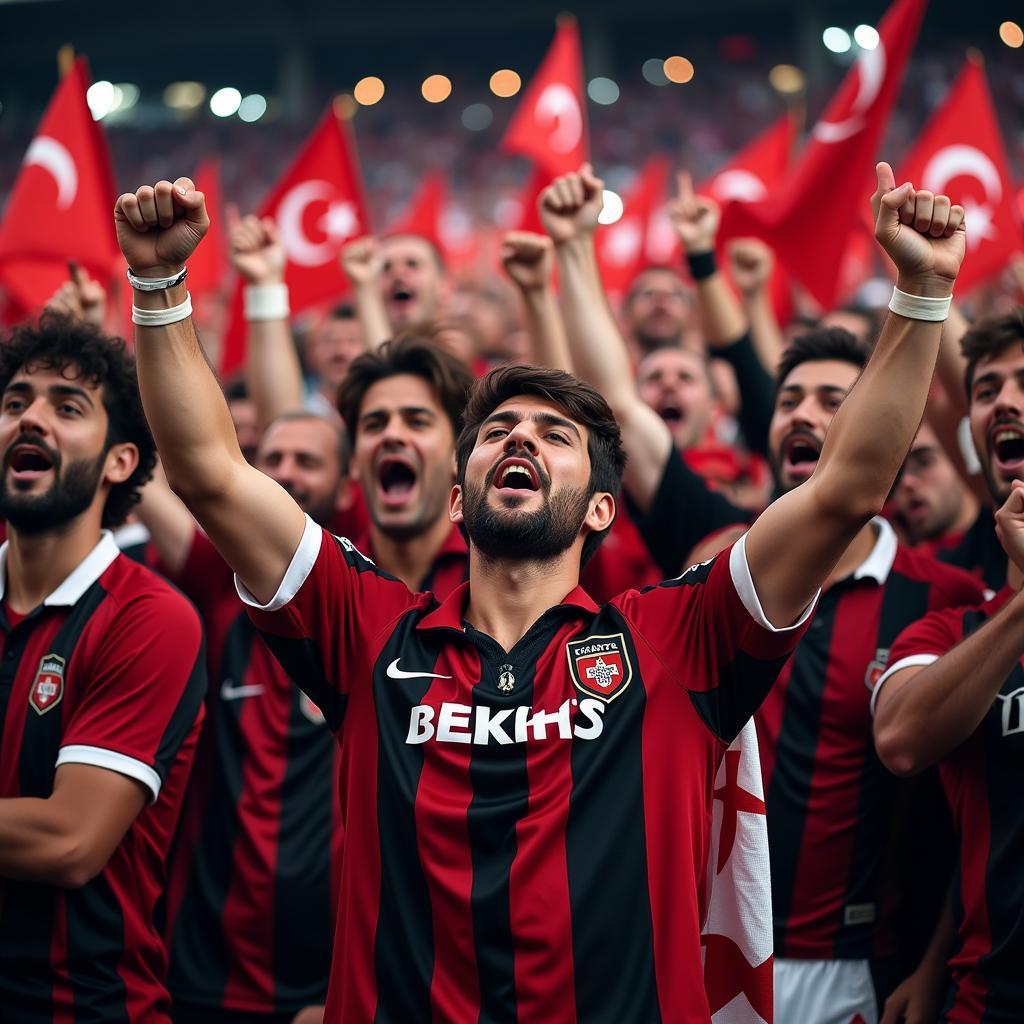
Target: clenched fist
{"x":1010,"y":524}
{"x":255,"y":249}
{"x":923,"y":234}
{"x":81,"y":298}
{"x":362,"y":261}
{"x":159,"y":226}
{"x":528,"y":259}
{"x":570,"y":205}
{"x":750,"y":263}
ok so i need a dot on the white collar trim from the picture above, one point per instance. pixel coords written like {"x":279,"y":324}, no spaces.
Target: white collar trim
{"x":878,"y":564}
{"x":80,"y":579}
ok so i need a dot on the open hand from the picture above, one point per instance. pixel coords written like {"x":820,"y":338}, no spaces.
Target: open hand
{"x":570,"y":205}
{"x":255,"y":248}
{"x":159,"y":226}
{"x":695,"y":218}
{"x":923,"y":234}
{"x":528,"y":259}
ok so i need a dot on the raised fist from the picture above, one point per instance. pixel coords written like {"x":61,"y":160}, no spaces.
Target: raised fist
{"x":750,"y":263}
{"x":528,"y":259}
{"x":923,"y":234}
{"x":255,"y":249}
{"x":362,"y":261}
{"x":159,"y":226}
{"x":1010,"y":524}
{"x":694,"y":217}
{"x":570,"y":205}
{"x":81,"y":298}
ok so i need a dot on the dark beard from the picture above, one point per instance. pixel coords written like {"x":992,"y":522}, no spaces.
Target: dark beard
{"x":70,"y":495}
{"x":537,"y":536}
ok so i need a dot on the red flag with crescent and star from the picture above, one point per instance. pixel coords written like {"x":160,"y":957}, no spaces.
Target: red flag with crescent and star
{"x":960,"y":153}
{"x":318,"y":206}
{"x":831,"y":169}
{"x":60,"y":209}
{"x":549,"y":126}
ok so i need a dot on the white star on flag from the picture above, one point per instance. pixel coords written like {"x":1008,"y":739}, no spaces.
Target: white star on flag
{"x":339,"y":222}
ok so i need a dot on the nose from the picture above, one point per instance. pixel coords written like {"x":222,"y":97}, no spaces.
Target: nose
{"x":1009,"y":400}
{"x":33,"y":418}
{"x":803,"y":414}
{"x":522,"y":436}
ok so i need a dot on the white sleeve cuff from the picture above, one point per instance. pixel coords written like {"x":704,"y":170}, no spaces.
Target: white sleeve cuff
{"x":919,"y":660}
{"x":100,"y":757}
{"x":744,"y":584}
{"x":295,"y":575}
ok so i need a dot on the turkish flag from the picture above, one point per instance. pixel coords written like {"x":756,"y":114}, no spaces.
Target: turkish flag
{"x":61,"y":206}
{"x":549,"y":126}
{"x":960,"y":153}
{"x":622,"y":246}
{"x":208,"y":266}
{"x":426,"y":210}
{"x":318,"y":206}
{"x":809,"y":218}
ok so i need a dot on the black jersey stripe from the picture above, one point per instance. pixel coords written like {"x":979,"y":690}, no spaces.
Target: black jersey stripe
{"x":95,"y":943}
{"x":404,"y":944}
{"x":184,"y":716}
{"x":792,"y":780}
{"x":303,"y":914}
{"x":615,"y":978}
{"x":904,"y":600}
{"x":498,"y":774}
{"x":199,"y":959}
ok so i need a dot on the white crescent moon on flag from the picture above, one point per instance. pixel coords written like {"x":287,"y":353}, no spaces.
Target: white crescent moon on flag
{"x":558,"y":106}
{"x":738,"y":184}
{"x":870,"y":76}
{"x":53,"y":156}
{"x":290,"y":212}
{"x":952,"y":161}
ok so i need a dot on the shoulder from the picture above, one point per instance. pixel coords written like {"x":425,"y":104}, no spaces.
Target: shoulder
{"x":135,"y":591}
{"x":949,"y":584}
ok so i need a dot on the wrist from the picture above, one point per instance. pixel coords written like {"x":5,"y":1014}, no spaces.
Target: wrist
{"x":163,"y":299}
{"x":157,"y":271}
{"x":929,"y":286}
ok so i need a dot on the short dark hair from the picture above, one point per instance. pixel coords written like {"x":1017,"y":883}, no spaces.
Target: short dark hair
{"x":435,"y":252}
{"x":989,"y":337}
{"x":59,"y":342}
{"x":580,"y":402}
{"x":820,"y":344}
{"x":413,"y":352}
{"x":298,"y":415}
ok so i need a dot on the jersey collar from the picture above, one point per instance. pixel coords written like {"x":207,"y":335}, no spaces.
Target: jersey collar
{"x":878,"y":564}
{"x":448,"y":614}
{"x":80,"y":579}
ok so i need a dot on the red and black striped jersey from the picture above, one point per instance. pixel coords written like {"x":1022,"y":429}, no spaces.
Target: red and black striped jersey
{"x":253,"y":888}
{"x":107,"y":671}
{"x":981,"y":780}
{"x":830,"y":802}
{"x":526,"y":831}
{"x":449,"y":569}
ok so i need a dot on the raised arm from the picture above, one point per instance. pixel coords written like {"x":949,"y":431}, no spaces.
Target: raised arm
{"x":569,"y":209}
{"x":928,"y":704}
{"x":254,"y":523}
{"x":272,"y":371}
{"x":797,"y":541}
{"x":751,"y":263}
{"x":361,"y":260}
{"x":528,"y":259}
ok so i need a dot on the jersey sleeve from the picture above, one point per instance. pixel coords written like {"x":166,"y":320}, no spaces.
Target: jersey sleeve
{"x":920,"y":644}
{"x":144,"y":692}
{"x":330,"y":605}
{"x":708,"y":628}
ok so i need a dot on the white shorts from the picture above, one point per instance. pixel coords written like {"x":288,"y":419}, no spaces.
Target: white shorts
{"x":824,"y":992}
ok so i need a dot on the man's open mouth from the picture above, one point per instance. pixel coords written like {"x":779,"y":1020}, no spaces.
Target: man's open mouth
{"x":672,"y":414}
{"x":800,"y":453}
{"x":396,"y":479}
{"x":26,"y":461}
{"x":516,"y":474}
{"x":1007,"y":443}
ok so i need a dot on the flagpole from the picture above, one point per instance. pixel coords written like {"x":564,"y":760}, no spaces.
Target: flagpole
{"x":65,"y":59}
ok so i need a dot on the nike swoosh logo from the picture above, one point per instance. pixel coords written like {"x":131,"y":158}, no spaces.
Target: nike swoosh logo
{"x":229,"y":691}
{"x":398,"y":673}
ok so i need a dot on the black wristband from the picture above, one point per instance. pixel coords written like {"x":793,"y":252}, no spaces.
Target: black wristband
{"x":701,"y":264}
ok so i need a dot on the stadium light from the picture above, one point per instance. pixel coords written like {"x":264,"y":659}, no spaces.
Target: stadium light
{"x":505,"y":83}
{"x":101,"y":99}
{"x":836,"y":39}
{"x":611,"y":211}
{"x":184,"y":95}
{"x":252,"y":108}
{"x":866,"y":37}
{"x":787,"y":79}
{"x":369,"y":90}
{"x":225,"y":102}
{"x":436,"y":88}
{"x":654,"y":71}
{"x":476,"y":117}
{"x":678,"y":70}
{"x":603,"y":90}
{"x":1012,"y":34}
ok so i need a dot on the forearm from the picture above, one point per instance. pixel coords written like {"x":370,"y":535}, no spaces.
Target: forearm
{"x":922,"y":718}
{"x":721,"y":316}
{"x":183,"y":402}
{"x":769,"y":342}
{"x":549,"y":345}
{"x":373,"y":317}
{"x":272,"y":370}
{"x":951,"y":365}
{"x":171,"y":526}
{"x":36,"y":844}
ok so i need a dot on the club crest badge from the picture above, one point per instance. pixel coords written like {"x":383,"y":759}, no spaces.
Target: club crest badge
{"x":506,"y":679}
{"x":48,"y":688}
{"x":600,"y":666}
{"x":876,"y":668}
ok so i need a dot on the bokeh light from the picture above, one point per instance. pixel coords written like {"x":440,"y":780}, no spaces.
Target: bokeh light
{"x":436,"y":88}
{"x":866,"y":36}
{"x":1012,"y":34}
{"x":603,"y":90}
{"x":505,"y":83}
{"x":836,"y":39}
{"x":225,"y":102}
{"x":184,"y":95}
{"x":678,"y":70}
{"x":369,"y":90}
{"x":476,"y":117}
{"x":787,"y":79}
{"x":654,"y":71}
{"x":252,"y":108}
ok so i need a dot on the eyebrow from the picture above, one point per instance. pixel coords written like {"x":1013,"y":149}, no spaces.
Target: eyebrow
{"x":545,"y":419}
{"x":828,"y":388}
{"x":405,"y":410}
{"x":986,"y":378}
{"x":23,"y":387}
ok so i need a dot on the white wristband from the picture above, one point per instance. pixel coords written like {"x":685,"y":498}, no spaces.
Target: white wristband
{"x":162,"y":317}
{"x":919,"y":307}
{"x":266,"y":302}
{"x":156,"y":284}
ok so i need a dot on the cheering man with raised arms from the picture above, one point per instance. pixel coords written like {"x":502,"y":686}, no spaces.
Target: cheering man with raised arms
{"x":526,"y":777}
